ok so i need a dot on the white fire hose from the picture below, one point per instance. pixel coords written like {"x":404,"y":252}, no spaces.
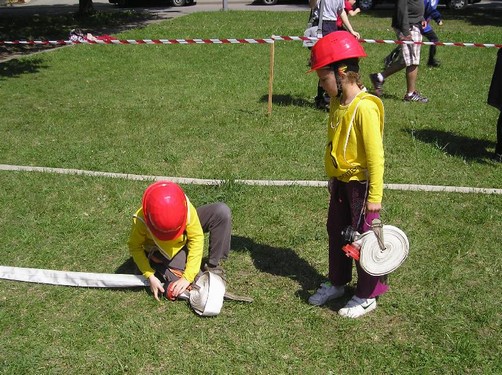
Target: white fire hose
{"x":207,"y":294}
{"x":379,"y":251}
{"x":377,"y":261}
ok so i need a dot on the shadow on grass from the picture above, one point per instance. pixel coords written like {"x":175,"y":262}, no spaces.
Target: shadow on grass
{"x":276,"y":261}
{"x":15,"y":68}
{"x":286,"y":262}
{"x":287,"y":100}
{"x":456,"y":145}
{"x":280,"y":262}
{"x":36,"y":25}
{"x":58,"y":26}
{"x":128,"y":267}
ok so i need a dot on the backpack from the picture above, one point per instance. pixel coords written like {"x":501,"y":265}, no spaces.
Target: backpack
{"x":314,"y":25}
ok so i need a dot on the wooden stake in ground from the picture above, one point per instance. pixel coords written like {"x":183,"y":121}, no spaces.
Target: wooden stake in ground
{"x":271,"y":77}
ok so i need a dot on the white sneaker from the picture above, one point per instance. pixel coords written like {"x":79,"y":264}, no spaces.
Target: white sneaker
{"x":326,"y":292}
{"x":357,"y":307}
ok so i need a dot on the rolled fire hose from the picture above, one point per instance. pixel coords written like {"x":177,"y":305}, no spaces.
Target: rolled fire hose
{"x":206,"y":297}
{"x":377,"y":261}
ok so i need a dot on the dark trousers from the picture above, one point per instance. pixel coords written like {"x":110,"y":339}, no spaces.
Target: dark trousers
{"x":495,"y":98}
{"x":498,"y":147}
{"x":347,"y":207}
{"x":215,"y":219}
{"x":432,"y":37}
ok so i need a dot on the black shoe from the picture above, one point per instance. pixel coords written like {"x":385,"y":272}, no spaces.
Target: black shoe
{"x":434,"y":64}
{"x":377,"y":84}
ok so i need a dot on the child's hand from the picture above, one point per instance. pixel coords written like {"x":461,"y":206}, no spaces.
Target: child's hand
{"x":373,"y":207}
{"x":404,"y":37}
{"x":179,"y":286}
{"x":156,"y":287}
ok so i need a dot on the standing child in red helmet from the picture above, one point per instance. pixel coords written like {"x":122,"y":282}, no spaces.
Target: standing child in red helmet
{"x":354,"y":162}
{"x":167,"y":237}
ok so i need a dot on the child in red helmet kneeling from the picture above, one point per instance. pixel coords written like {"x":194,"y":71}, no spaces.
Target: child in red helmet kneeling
{"x":167,"y":238}
{"x":354,"y":162}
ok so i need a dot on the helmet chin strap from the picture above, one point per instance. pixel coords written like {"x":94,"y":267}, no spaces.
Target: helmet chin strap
{"x":338,"y":84}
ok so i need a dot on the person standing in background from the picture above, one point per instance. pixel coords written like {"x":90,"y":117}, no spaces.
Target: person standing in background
{"x":408,"y":20}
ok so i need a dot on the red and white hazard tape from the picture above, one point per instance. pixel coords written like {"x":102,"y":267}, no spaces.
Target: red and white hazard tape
{"x":383,"y":41}
{"x":141,"y":41}
{"x":273,"y":39}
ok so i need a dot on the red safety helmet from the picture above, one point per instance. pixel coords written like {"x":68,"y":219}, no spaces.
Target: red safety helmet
{"x":165,"y":210}
{"x":334,"y":47}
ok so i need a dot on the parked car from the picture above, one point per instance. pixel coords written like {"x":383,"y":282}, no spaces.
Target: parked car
{"x":451,"y":4}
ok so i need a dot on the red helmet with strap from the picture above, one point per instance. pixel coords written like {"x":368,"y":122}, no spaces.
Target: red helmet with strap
{"x":334,"y":47}
{"x":165,"y":209}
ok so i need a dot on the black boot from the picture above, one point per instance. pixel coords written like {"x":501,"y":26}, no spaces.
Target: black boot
{"x":434,"y":63}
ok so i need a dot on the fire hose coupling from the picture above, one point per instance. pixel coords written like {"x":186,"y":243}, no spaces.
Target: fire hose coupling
{"x":352,"y":246}
{"x":170,"y":296}
{"x":380,"y":250}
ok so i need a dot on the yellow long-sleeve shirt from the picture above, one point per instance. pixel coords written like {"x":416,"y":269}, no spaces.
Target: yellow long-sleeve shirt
{"x":141,"y":239}
{"x":354,"y":150}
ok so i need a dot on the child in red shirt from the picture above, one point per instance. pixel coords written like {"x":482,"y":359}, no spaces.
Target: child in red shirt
{"x":349,"y":9}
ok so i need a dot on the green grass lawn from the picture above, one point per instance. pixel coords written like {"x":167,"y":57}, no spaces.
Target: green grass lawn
{"x":201,"y":111}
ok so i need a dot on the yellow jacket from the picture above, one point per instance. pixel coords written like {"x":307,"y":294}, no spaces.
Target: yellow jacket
{"x":354,"y":150}
{"x":141,"y":240}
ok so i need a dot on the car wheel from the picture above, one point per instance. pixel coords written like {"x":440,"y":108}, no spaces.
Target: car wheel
{"x":178,"y":3}
{"x":457,"y":4}
{"x":366,"y":4}
{"x":270,"y":2}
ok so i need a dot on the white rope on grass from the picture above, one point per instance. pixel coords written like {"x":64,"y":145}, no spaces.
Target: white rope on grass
{"x":198,"y":181}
